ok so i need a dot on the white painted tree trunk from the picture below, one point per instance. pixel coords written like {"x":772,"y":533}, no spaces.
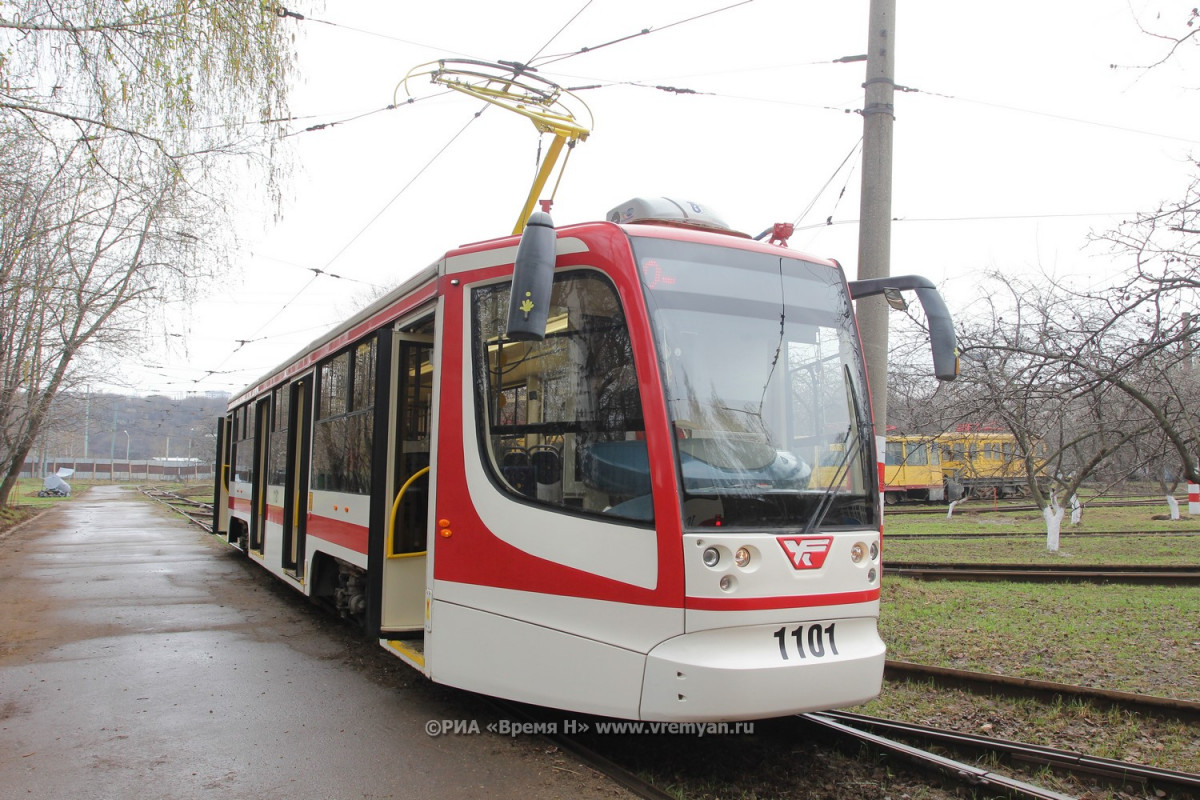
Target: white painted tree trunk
{"x":1173,"y":504}
{"x":1053,"y":514}
{"x":950,"y":510}
{"x":1076,"y":510}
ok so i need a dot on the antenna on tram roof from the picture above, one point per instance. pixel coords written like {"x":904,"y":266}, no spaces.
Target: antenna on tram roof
{"x":514,"y":86}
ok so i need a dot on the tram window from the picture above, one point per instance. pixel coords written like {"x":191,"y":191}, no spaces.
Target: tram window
{"x":344,"y":431}
{"x":277,"y":455}
{"x":364,"y":376}
{"x":333,"y":386}
{"x":243,"y":465}
{"x":917,"y":455}
{"x":561,"y":419}
{"x":894,"y":454}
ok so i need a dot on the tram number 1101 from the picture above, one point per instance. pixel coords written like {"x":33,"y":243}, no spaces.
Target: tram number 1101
{"x":819,"y":639}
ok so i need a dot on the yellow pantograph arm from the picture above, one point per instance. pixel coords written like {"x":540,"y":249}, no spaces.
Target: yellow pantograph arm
{"x":513,"y":87}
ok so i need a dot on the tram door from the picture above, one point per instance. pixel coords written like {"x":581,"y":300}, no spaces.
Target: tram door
{"x":258,"y":495}
{"x":221,"y":476}
{"x":295,"y":502}
{"x":403,"y":606}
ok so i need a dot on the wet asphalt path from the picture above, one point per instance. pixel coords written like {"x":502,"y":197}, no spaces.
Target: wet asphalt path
{"x":141,"y":658}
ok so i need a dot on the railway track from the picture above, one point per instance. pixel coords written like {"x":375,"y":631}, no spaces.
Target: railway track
{"x":990,"y":683}
{"x":895,"y":739}
{"x":812,"y":727}
{"x":199,"y":513}
{"x":1060,"y":573}
{"x":986,"y":507}
{"x":1120,"y":774}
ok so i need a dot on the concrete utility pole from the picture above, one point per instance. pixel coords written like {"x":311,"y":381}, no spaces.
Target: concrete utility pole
{"x":875,"y":215}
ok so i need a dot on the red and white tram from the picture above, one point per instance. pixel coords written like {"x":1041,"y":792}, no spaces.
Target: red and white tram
{"x":650,"y":492}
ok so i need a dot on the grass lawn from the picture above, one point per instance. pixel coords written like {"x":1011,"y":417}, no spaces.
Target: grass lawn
{"x":1135,"y":638}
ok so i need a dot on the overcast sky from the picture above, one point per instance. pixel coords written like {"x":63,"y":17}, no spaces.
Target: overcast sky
{"x":1017,"y":140}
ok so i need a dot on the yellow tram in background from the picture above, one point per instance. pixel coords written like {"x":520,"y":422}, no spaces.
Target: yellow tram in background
{"x":912,"y":470}
{"x":950,"y":466}
{"x":985,"y":463}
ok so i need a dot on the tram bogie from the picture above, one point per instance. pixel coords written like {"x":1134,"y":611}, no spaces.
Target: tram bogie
{"x":661,"y":503}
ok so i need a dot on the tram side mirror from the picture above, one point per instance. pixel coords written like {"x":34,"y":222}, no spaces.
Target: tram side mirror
{"x":533,"y":278}
{"x":942,"y":340}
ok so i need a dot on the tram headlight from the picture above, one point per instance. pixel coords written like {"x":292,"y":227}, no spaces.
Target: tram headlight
{"x":712,"y":556}
{"x":728,"y":583}
{"x":874,"y":550}
{"x":742,"y":557}
{"x":858,"y":551}
{"x":871,"y":575}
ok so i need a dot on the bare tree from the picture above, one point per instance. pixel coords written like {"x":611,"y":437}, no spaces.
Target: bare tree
{"x":1159,"y":299}
{"x":1097,"y":377}
{"x":183,"y":76}
{"x":1180,"y":29}
{"x":112,"y":116}
{"x":1119,"y":359}
{"x":1035,"y":362}
{"x":83,"y":254}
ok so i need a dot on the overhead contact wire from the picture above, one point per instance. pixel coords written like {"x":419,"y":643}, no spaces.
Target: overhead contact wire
{"x":643,"y":32}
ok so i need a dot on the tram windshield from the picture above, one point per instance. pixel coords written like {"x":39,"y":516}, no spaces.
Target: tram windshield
{"x":765,"y":387}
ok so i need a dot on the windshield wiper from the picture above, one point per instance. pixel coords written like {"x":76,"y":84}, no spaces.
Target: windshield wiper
{"x":826,"y":501}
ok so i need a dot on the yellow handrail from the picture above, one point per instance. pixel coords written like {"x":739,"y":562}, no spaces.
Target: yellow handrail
{"x":391,"y":531}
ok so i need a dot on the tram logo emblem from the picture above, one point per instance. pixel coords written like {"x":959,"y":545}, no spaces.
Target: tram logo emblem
{"x":806,"y":552}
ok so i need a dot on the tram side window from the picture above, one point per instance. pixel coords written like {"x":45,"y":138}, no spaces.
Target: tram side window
{"x":342,"y":436}
{"x":277,"y":455}
{"x":561,"y":419}
{"x":243,"y":431}
{"x":894,"y":454}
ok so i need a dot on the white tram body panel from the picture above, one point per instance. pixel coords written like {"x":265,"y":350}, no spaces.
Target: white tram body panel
{"x":666,"y":508}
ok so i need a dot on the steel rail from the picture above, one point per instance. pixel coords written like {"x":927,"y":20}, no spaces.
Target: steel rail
{"x":989,"y":683}
{"x":1096,"y":573}
{"x":1112,"y":770}
{"x":1032,"y":534}
{"x":1084,"y":568}
{"x":990,"y":508}
{"x":202,"y":517}
{"x":968,"y":773}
